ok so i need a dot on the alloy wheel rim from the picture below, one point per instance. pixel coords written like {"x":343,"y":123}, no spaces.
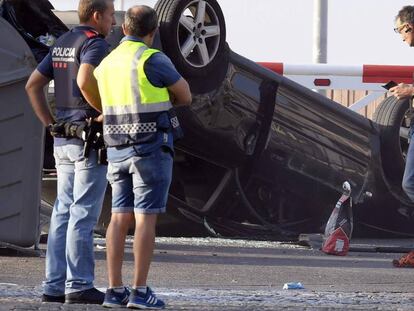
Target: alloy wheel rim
{"x":198,"y":33}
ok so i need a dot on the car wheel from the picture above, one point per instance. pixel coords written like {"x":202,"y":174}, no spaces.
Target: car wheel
{"x":193,"y":35}
{"x":392,"y":117}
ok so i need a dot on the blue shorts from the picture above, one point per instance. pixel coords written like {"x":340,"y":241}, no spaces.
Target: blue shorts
{"x":140,"y":184}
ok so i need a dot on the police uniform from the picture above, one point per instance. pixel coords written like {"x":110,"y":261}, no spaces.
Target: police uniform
{"x":81,"y":182}
{"x":138,"y":128}
{"x":82,"y":44}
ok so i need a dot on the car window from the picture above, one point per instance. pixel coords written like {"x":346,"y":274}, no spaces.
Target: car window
{"x":246,"y":85}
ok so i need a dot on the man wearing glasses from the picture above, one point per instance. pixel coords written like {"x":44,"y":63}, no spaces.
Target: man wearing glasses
{"x":404,"y":26}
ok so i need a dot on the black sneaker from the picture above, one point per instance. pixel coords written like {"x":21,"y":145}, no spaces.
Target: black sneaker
{"x":88,"y":296}
{"x":50,"y":298}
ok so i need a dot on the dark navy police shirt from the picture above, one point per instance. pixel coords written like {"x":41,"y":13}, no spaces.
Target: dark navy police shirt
{"x":92,"y":52}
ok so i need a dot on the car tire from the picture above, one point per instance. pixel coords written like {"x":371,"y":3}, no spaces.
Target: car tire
{"x":391,"y":117}
{"x":193,"y":35}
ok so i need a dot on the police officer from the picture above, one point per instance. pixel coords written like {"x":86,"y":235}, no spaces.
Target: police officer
{"x":135,"y":83}
{"x":81,"y":181}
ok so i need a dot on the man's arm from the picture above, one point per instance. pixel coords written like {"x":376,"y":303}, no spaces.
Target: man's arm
{"x":35,"y":90}
{"x":89,"y":86}
{"x":162,"y":73}
{"x":180,"y":91}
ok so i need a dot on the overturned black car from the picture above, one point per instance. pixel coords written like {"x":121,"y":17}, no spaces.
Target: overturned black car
{"x":262,"y":156}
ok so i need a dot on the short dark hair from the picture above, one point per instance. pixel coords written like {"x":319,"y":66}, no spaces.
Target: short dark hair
{"x":140,"y":20}
{"x":86,"y":8}
{"x":406,"y":14}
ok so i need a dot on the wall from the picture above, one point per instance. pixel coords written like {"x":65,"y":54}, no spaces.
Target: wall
{"x":348,"y":97}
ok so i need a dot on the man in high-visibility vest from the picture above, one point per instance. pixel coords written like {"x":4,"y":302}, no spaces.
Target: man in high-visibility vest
{"x":135,"y":83}
{"x":404,"y":25}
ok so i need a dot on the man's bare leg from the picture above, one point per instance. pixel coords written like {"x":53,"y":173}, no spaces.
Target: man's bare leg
{"x":144,"y":242}
{"x":115,"y":244}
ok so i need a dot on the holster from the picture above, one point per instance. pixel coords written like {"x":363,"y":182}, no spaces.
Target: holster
{"x":94,"y":139}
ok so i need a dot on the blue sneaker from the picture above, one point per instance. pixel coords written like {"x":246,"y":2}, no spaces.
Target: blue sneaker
{"x":138,"y":300}
{"x":116,"y":300}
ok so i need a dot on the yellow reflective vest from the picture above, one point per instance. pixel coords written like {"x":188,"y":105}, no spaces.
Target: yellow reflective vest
{"x":134,"y":110}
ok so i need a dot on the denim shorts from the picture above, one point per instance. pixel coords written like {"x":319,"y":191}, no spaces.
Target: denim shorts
{"x":140,"y":184}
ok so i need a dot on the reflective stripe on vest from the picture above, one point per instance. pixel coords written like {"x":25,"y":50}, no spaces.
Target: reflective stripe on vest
{"x":133,"y":108}
{"x":149,"y":127}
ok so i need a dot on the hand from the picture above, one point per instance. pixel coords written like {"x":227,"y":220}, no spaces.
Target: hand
{"x":99,"y":118}
{"x":402,"y":90}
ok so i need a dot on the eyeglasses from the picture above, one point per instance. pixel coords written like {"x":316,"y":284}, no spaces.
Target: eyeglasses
{"x":400,"y":28}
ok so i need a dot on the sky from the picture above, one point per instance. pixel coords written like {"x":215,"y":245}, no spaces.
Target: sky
{"x":359,"y":31}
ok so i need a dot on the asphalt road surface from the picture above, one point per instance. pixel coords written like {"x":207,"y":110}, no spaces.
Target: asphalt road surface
{"x":222,"y":274}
